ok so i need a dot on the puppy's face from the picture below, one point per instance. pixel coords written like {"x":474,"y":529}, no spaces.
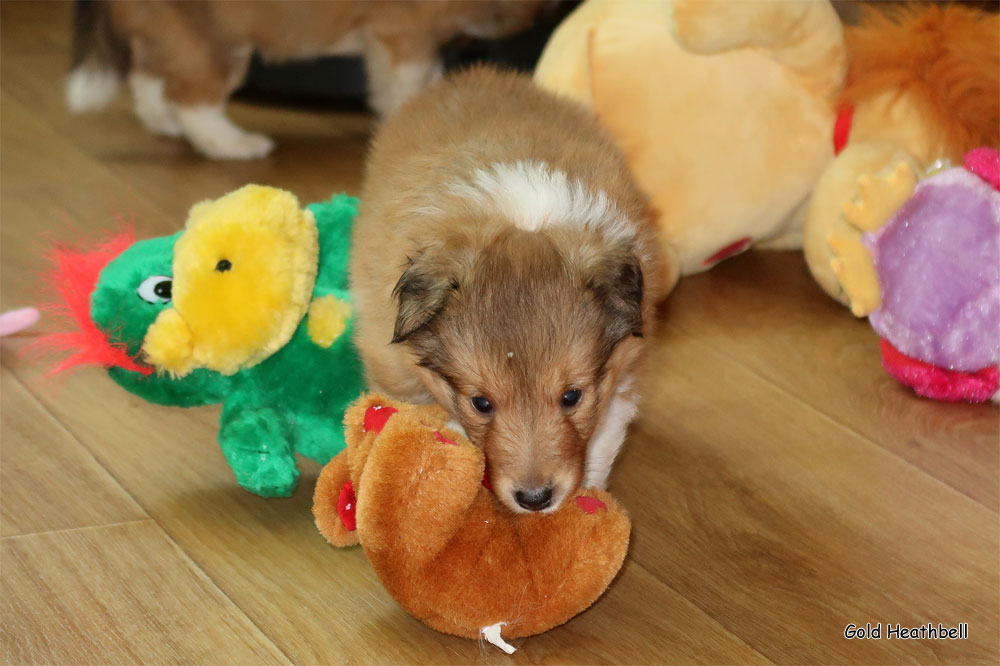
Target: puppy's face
{"x":523,"y":336}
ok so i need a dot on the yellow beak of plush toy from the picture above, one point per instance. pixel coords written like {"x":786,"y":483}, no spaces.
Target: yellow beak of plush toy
{"x":243,"y":275}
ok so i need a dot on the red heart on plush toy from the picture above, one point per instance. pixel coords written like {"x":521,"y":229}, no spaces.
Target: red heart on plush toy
{"x":376,"y":417}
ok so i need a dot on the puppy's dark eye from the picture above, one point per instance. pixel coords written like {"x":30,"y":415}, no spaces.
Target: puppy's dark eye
{"x":482,"y":404}
{"x":571,"y":398}
{"x":223,"y":265}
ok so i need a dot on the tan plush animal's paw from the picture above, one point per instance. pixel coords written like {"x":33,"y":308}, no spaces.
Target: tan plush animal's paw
{"x":853,"y":266}
{"x":713,"y":26}
{"x":863,"y":186}
{"x":876,"y":199}
{"x":879,"y":196}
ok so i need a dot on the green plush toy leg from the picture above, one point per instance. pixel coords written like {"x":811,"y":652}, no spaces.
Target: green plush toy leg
{"x":257,"y":444}
{"x":319,"y":439}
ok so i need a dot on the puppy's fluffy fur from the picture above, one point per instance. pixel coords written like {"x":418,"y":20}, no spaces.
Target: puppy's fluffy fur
{"x":503,"y":251}
{"x":183,"y":59}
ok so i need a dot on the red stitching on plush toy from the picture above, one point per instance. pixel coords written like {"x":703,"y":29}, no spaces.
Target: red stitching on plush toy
{"x":590,"y":504}
{"x":376,"y":417}
{"x":729,"y":250}
{"x":347,"y":504}
{"x":842,"y":128}
{"x":444,"y":440}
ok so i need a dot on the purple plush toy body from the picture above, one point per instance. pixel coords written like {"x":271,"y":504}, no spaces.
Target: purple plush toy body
{"x":938,"y":267}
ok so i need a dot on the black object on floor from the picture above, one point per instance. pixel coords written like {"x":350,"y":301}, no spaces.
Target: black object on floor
{"x":338,"y":82}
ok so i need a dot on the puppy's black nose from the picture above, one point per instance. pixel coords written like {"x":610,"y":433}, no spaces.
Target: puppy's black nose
{"x":534,"y":499}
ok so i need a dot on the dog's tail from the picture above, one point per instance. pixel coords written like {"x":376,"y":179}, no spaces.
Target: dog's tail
{"x":100,"y":57}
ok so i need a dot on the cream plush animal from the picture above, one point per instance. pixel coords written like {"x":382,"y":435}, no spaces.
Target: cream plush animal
{"x":725,"y":110}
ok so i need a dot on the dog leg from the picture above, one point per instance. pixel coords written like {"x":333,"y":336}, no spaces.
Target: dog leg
{"x":393,"y":79}
{"x":151,"y":104}
{"x":200,"y":105}
{"x":608,"y":438}
{"x":214,"y":135}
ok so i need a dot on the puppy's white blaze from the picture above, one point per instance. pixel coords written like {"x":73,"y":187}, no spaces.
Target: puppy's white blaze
{"x":90,"y":88}
{"x":607,"y":440}
{"x":533,"y":195}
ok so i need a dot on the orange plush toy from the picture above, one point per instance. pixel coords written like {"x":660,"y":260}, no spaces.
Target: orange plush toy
{"x":413,"y":493}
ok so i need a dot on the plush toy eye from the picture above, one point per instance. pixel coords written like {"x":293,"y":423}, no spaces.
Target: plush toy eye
{"x":482,"y":404}
{"x":223,"y":265}
{"x":571,"y":398}
{"x":155,"y":289}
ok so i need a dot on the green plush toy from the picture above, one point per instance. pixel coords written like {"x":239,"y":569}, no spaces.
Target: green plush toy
{"x":247,"y":306}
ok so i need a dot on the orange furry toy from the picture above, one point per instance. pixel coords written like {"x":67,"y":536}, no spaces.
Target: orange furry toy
{"x":923,"y":86}
{"x":411,"y":491}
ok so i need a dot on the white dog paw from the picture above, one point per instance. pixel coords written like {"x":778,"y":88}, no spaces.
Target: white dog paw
{"x":151,"y":105}
{"x":164,"y":125}
{"x":213,"y":135}
{"x":246,"y":146}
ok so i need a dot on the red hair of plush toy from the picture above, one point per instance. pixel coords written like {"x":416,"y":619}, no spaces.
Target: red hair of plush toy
{"x":73,"y":278}
{"x":947,"y":58}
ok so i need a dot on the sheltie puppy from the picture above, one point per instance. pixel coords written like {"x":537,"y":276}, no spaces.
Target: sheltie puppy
{"x":504,"y":265}
{"x":184,"y":59}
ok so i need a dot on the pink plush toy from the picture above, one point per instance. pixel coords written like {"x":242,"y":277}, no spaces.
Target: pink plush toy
{"x":938,"y":267}
{"x":17,"y":320}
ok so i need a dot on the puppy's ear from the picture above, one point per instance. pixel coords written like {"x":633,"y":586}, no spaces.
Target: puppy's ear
{"x":617,"y":281}
{"x":422,"y":292}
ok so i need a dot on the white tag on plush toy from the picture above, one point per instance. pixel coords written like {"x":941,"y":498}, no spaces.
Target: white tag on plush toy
{"x":492,"y":634}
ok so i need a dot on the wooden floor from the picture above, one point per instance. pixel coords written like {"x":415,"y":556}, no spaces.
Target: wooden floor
{"x":781,"y":485}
